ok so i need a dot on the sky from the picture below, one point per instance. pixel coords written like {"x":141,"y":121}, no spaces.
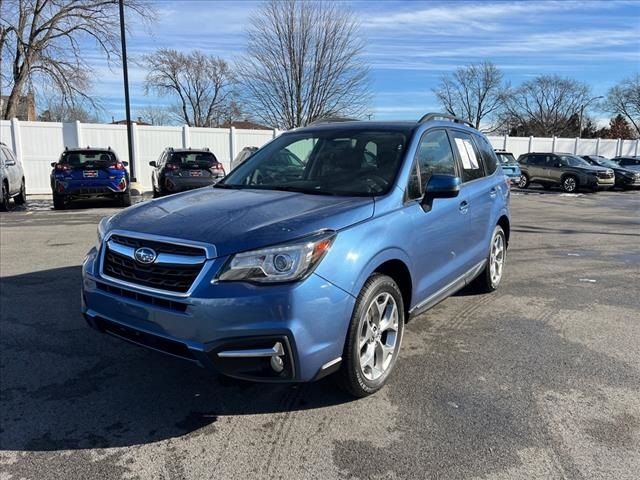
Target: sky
{"x":411,"y":44}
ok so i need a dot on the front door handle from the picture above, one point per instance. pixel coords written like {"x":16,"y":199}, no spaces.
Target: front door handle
{"x":464,"y":206}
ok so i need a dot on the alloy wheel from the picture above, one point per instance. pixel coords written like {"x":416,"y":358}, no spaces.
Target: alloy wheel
{"x":569,"y":184}
{"x":497,"y":258}
{"x":377,"y":336}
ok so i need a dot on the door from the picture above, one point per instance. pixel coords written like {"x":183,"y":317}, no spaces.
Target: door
{"x":14,"y":177}
{"x":478,"y":194}
{"x":554,"y":168}
{"x":537,"y":167}
{"x":438,"y":239}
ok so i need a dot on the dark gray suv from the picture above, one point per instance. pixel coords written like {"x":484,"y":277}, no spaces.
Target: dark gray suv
{"x":564,"y":170}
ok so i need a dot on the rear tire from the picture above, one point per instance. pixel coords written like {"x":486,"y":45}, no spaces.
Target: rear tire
{"x":125,"y":199}
{"x":489,"y":280}
{"x":524,"y":181}
{"x":21,"y":199}
{"x":59,"y":202}
{"x":4,"y":198}
{"x":374,"y":337}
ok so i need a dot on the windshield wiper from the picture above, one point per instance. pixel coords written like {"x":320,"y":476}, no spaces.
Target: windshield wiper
{"x":229,"y":186}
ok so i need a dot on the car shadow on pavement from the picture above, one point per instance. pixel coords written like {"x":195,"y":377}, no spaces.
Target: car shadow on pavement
{"x":65,"y":386}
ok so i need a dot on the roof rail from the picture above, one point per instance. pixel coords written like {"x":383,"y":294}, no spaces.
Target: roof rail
{"x":435,"y":116}
{"x":331,"y":120}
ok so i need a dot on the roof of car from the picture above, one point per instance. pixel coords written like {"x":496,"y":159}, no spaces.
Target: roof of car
{"x":187,"y":150}
{"x":88,"y":149}
{"x":398,"y":125}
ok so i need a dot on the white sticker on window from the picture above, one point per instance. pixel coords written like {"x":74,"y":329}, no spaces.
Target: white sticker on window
{"x":467,"y":154}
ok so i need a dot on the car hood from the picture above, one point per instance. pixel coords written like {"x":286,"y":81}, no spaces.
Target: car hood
{"x":239,"y":220}
{"x":631,"y":168}
{"x":591,"y":168}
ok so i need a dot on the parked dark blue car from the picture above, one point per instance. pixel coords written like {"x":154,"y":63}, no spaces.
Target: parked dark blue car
{"x":290,"y":271}
{"x":83,"y":173}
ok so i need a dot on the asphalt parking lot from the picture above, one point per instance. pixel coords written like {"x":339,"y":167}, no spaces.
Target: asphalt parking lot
{"x":539,"y":380}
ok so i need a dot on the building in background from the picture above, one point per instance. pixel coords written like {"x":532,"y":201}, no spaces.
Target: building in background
{"x":26,"y":107}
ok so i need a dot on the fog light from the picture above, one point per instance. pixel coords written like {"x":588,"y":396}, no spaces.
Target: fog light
{"x":277,"y":364}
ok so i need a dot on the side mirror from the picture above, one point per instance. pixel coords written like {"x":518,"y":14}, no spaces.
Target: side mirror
{"x":559,"y":164}
{"x":153,"y":164}
{"x":126,"y":164}
{"x":440,"y":186}
{"x":53,"y":164}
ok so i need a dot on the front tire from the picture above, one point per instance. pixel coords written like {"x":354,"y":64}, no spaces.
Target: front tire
{"x":489,"y":280}
{"x":21,"y":199}
{"x":569,"y":184}
{"x":4,"y":198}
{"x":374,"y":337}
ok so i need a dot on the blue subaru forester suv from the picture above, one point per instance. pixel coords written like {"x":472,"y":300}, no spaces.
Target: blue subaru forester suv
{"x":308,"y":258}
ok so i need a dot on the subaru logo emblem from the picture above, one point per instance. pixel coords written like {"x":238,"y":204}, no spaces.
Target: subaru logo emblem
{"x":145,"y":255}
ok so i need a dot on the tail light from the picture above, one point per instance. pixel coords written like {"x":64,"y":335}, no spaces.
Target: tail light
{"x":117,"y":166}
{"x":216,"y":167}
{"x":62,"y":167}
{"x":172,"y":166}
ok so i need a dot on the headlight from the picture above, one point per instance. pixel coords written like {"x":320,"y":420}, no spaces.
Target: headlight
{"x":102,"y":230}
{"x":282,"y":263}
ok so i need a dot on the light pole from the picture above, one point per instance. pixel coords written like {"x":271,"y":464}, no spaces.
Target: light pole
{"x":582,"y":107}
{"x":127,"y":106}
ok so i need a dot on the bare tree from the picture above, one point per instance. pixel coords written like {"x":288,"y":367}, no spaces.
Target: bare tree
{"x":546,"y":105}
{"x":156,"y":115}
{"x":201,"y":83}
{"x":41,"y":42}
{"x":304,"y":62}
{"x":475,"y":92}
{"x":55,"y":109}
{"x":624,"y":99}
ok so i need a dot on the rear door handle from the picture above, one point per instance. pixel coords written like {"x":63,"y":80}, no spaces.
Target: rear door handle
{"x":493,"y":193}
{"x":464,"y":206}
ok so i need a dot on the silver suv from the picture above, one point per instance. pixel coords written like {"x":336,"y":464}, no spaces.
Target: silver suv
{"x":11,"y":178}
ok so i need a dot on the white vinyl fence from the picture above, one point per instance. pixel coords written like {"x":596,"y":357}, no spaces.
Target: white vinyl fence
{"x":37,"y":144}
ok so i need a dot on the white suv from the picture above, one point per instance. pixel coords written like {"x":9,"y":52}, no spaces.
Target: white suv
{"x":11,"y":178}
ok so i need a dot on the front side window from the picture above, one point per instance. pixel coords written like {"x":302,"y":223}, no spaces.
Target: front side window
{"x":573,"y":161}
{"x":354,"y":162}
{"x":433,"y":156}
{"x":469,"y":156}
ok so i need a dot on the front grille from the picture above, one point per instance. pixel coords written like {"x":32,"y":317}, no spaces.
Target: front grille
{"x":169,"y":277}
{"x":605,"y":175}
{"x":159,"y":247}
{"x":140,"y":297}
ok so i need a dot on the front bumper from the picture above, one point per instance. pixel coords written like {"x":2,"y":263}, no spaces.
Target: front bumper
{"x":599,"y":183}
{"x":308,"y":320}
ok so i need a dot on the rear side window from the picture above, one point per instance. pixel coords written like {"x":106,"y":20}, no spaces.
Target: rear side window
{"x":488,"y":155}
{"x":537,"y":159}
{"x":469,"y":156}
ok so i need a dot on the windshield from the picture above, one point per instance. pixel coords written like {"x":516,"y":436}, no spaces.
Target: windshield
{"x":574,"y":161}
{"x":330,"y":162}
{"x":506,"y":158}
{"x":605,"y":162}
{"x":77,"y":159}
